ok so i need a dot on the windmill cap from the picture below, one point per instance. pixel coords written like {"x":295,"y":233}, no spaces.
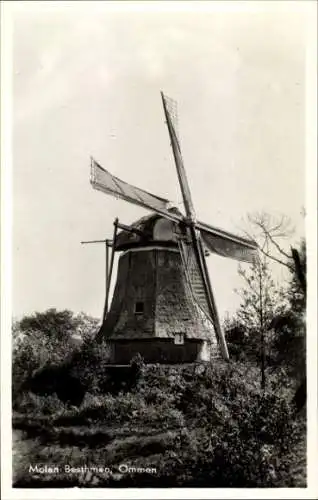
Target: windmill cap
{"x":150,"y":230}
{"x":155,"y":229}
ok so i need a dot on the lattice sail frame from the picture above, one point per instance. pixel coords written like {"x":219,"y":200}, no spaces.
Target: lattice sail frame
{"x":192,"y":272}
{"x":104,"y":181}
{"x":172,"y":108}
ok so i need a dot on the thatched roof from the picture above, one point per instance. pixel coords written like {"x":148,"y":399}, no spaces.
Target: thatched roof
{"x":157,"y":278}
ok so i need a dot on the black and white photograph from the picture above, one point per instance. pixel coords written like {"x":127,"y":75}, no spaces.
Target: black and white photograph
{"x":158,"y":220}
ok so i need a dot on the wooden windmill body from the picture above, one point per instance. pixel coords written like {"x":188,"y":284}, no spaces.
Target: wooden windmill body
{"x":163,"y":305}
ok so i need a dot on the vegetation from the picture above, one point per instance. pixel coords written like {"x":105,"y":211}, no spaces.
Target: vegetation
{"x":211,"y":426}
{"x":270,"y":324}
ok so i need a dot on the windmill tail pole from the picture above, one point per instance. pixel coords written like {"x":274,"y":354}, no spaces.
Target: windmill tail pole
{"x":106,"y":276}
{"x":109,"y":269}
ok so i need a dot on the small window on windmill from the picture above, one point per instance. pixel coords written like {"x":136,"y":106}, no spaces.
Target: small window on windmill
{"x":139,"y":308}
{"x":179,"y":338}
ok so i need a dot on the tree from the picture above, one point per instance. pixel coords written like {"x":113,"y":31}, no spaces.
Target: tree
{"x":272,"y":232}
{"x":51,"y":323}
{"x":290,"y":327}
{"x":298,"y":285}
{"x":275,"y":313}
{"x":261,"y":298}
{"x":288,"y":324}
{"x":58,"y":325}
{"x":46,"y":339}
{"x":261,"y":302}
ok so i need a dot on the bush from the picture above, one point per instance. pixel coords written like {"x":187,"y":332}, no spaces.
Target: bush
{"x":231,"y":434}
{"x":34,"y":405}
{"x":89,"y":364}
{"x":238,"y":437}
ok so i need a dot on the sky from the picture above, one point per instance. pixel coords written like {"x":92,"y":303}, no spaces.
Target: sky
{"x":86,"y":81}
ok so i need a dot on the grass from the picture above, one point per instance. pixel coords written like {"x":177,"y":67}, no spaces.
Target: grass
{"x":84,"y":445}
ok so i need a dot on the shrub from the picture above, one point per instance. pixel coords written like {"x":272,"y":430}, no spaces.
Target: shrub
{"x":34,"y":405}
{"x":89,"y":364}
{"x":238,"y":436}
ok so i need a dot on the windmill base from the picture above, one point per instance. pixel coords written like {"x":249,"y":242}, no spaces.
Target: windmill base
{"x":161,"y":351}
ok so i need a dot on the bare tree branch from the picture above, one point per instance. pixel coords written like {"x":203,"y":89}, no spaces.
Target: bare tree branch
{"x":275,"y":259}
{"x":270,"y":237}
{"x":269,"y":231}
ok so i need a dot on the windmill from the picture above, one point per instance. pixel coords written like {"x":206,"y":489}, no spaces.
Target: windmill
{"x":163,"y":304}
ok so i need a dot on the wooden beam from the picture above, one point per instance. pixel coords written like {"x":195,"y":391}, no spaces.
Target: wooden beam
{"x":130,"y":229}
{"x":110,"y":269}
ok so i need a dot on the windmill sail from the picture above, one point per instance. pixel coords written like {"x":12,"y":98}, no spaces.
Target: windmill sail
{"x":104,"y":181}
{"x":193,"y":276}
{"x":183,"y":181}
{"x":203,"y":281}
{"x":219,"y":242}
{"x":227,"y":245}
